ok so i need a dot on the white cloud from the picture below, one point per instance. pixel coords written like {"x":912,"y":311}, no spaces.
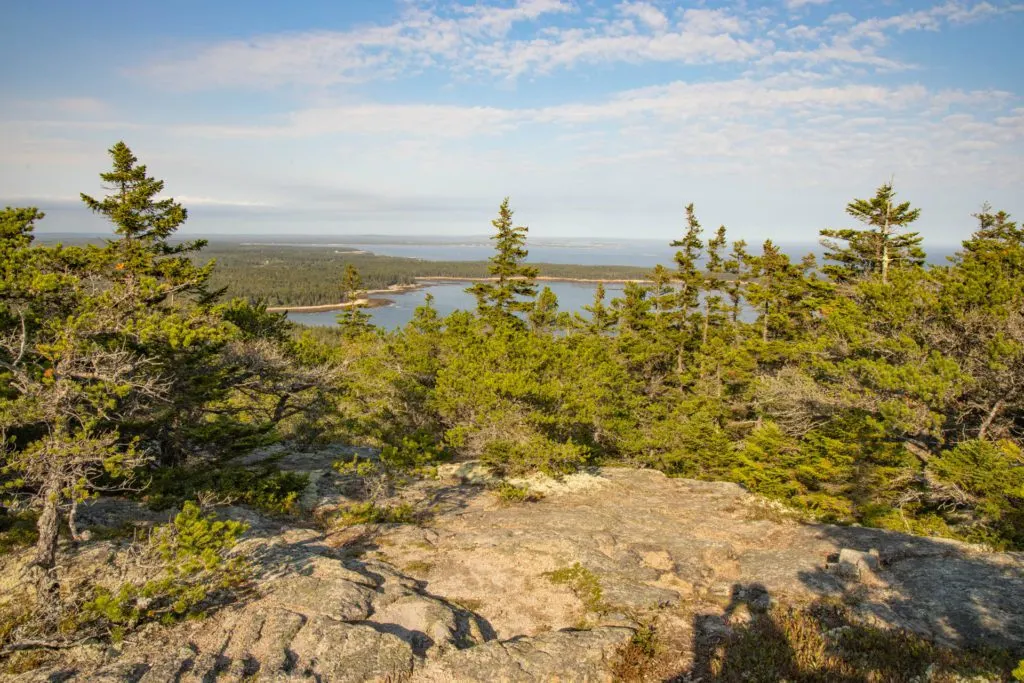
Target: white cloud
{"x":797,"y":4}
{"x":647,"y":13}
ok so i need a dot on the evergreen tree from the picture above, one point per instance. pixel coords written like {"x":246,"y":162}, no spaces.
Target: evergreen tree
{"x":737,"y":268}
{"x":601,"y":320}
{"x":163,"y":277}
{"x":687,"y":259}
{"x":544,"y":315}
{"x":514,"y":281}
{"x":353,"y":320}
{"x":879,"y":248}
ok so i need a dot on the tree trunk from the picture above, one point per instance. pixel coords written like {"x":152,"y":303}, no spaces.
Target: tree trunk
{"x":707,"y":322}
{"x":46,"y":547}
{"x":885,"y":247}
{"x":983,"y":430}
{"x":764,"y":324}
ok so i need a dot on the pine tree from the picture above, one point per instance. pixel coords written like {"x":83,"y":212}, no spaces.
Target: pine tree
{"x":514,"y":281}
{"x":879,"y":248}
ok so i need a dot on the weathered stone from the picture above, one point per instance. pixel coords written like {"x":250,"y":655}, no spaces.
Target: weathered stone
{"x":555,"y":656}
{"x":684,"y":553}
{"x":339,"y":652}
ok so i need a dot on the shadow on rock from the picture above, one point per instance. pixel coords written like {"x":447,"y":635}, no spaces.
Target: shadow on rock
{"x":756,"y":640}
{"x":954,"y":593}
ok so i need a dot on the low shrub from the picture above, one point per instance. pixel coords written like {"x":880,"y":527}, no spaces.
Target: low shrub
{"x":372,"y":513}
{"x":822,"y":642}
{"x":510,"y":493}
{"x":17,"y":530}
{"x":195,"y":573}
{"x":266,"y":488}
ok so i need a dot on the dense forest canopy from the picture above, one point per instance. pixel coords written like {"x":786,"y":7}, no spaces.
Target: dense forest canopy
{"x":870,"y":388}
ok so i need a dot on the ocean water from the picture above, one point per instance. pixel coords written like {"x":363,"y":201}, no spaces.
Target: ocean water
{"x":452,"y":296}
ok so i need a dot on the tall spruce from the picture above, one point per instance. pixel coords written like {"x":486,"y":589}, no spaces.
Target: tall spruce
{"x":514,"y":283}
{"x":879,"y":248}
{"x":353,"y":320}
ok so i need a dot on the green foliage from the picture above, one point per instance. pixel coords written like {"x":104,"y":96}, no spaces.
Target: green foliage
{"x":372,"y":513}
{"x":507,"y":492}
{"x":992,"y":474}
{"x":878,"y":248}
{"x":352,"y":321}
{"x":513,"y":284}
{"x":265,"y":487}
{"x":535,"y":454}
{"x":197,"y":572}
{"x":17,"y":530}
{"x":583,"y":583}
{"x":1018,"y":673}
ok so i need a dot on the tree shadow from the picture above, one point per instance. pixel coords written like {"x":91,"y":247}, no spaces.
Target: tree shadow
{"x":821,"y":643}
{"x":953,"y":593}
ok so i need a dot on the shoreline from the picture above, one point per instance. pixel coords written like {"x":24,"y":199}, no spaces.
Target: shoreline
{"x":540,"y":278}
{"x":422,"y":282}
{"x":325,"y":308}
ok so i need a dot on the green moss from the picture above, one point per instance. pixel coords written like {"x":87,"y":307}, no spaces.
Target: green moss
{"x":583,"y":582}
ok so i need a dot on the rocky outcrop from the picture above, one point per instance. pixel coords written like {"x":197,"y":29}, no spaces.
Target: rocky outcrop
{"x":479,"y":592}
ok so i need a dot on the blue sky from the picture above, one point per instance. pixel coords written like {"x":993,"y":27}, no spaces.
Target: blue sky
{"x":600,"y":118}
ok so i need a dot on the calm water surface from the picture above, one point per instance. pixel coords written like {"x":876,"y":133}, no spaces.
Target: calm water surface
{"x":449,"y":297}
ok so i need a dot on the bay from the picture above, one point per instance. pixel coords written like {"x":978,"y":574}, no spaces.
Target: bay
{"x":452,"y":296}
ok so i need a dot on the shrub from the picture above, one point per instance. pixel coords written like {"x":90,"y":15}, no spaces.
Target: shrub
{"x":266,"y":488}
{"x":822,"y":642}
{"x":634,"y":660}
{"x":17,"y":531}
{"x":372,"y":513}
{"x":195,"y":573}
{"x":535,"y":454}
{"x":510,"y":493}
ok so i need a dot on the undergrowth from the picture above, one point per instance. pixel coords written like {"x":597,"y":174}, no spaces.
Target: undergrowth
{"x":266,"y":487}
{"x":372,"y":513}
{"x":509,"y":493}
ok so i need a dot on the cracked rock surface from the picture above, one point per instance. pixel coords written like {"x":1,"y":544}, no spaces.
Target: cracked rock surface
{"x":468,"y":595}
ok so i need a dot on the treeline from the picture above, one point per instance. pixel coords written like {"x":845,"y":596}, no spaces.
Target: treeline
{"x":868,"y":389}
{"x":308,"y":276}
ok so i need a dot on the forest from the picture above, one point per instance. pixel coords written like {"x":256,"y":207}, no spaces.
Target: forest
{"x":869,"y":388}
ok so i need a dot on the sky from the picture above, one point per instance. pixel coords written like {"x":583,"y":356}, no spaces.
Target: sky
{"x":600,"y":118}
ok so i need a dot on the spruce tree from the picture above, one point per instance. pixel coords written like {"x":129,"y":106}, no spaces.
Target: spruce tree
{"x":601,"y":320}
{"x":544,"y":315}
{"x":514,"y":282}
{"x":353,"y":320}
{"x":878,"y":248}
